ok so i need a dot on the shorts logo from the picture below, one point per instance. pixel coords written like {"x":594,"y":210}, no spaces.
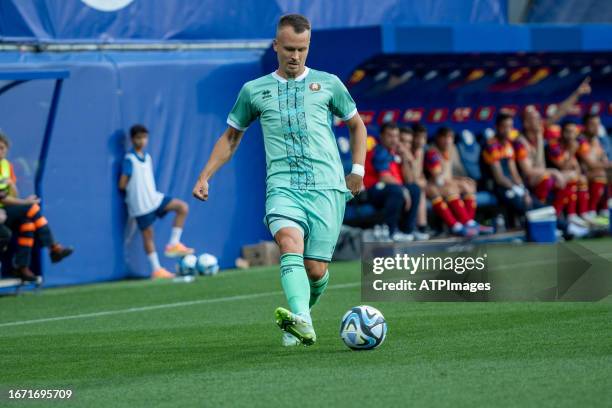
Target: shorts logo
{"x":315,"y":87}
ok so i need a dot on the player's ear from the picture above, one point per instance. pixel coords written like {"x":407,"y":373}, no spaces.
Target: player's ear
{"x":275,"y":45}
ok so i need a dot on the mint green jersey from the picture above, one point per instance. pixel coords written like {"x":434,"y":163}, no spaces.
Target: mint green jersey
{"x":296,"y":119}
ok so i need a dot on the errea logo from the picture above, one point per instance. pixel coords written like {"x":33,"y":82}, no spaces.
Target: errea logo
{"x":266,"y":94}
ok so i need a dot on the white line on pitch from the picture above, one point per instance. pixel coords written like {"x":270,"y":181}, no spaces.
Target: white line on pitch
{"x":162,"y":306}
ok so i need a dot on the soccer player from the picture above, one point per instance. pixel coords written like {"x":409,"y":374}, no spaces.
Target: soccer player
{"x":25,"y":218}
{"x":562,"y":154}
{"x":530,"y":159}
{"x":146,"y":204}
{"x":412,"y":171}
{"x":498,"y":156}
{"x":384,"y":183}
{"x":306,"y":188}
{"x":452,"y":194}
{"x":595,"y":163}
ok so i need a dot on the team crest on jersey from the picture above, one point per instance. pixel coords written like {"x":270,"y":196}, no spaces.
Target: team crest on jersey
{"x":315,"y":87}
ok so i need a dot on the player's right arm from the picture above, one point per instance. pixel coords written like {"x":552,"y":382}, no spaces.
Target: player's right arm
{"x":222,"y":152}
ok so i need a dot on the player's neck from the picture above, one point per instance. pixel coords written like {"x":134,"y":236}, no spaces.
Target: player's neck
{"x":284,"y":75}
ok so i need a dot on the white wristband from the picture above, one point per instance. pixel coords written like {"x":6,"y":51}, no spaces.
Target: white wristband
{"x":358,"y":169}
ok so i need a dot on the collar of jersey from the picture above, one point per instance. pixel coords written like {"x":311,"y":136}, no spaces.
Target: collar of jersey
{"x":139,"y":157}
{"x":298,"y":78}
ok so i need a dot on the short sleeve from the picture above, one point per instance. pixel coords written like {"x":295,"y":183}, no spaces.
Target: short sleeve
{"x":583,"y":148}
{"x":342,"y":104}
{"x":126,"y":167}
{"x":520,"y":150}
{"x":381,"y":159}
{"x":491,"y":154}
{"x":554,"y":152}
{"x":433,"y":162}
{"x":243,"y":113}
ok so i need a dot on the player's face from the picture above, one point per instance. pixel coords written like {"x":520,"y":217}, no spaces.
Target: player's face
{"x":570,"y":133}
{"x":406,"y":139}
{"x":420,"y":140}
{"x":592,"y":126}
{"x":140,"y":140}
{"x":3,"y":150}
{"x":445,"y":141}
{"x":390,"y":138}
{"x":291,"y":49}
{"x":532,"y":120}
{"x":505,"y":127}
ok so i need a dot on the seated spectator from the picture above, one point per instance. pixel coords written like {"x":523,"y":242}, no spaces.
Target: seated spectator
{"x":594,"y":161}
{"x":453,"y":195}
{"x":24,"y":217}
{"x":498,"y":157}
{"x":412,"y":172}
{"x":531,"y":162}
{"x":385,"y":186}
{"x":562,"y":153}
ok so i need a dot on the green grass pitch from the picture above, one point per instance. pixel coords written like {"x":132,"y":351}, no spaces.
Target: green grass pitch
{"x":214,"y":343}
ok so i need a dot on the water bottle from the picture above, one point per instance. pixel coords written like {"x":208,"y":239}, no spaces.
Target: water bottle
{"x":500,"y":224}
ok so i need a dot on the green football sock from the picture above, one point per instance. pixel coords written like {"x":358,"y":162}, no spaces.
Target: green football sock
{"x":295,"y":283}
{"x":317,"y":288}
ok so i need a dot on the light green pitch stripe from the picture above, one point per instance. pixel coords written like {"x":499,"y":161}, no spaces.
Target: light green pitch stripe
{"x":162,"y":306}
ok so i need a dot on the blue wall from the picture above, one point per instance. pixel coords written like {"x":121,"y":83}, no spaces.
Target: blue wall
{"x":51,"y":20}
{"x":183,"y":99}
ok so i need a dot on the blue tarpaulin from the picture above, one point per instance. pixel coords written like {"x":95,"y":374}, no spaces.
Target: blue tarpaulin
{"x":188,"y":20}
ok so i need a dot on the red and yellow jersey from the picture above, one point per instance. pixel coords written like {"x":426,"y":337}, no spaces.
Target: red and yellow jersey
{"x":438,"y":164}
{"x":498,"y":151}
{"x":557,"y":154}
{"x":590,"y":150}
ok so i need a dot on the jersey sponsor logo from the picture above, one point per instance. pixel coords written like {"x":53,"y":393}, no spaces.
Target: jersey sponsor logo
{"x":107,"y":5}
{"x":315,"y":87}
{"x":266,"y":94}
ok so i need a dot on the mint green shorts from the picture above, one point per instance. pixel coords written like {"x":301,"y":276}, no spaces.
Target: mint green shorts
{"x":318,"y":213}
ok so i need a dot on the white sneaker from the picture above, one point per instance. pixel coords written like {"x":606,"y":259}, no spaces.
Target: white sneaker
{"x":576,"y":230}
{"x":401,"y":237}
{"x":575,"y":219}
{"x":420,"y":236}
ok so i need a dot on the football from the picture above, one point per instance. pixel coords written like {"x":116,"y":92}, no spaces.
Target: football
{"x":187,"y":265}
{"x":207,"y":265}
{"x":363,"y":328}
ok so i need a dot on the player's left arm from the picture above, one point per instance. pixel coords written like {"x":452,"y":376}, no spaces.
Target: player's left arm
{"x":358,"y":133}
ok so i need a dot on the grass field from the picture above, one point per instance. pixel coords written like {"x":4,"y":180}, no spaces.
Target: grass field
{"x":214,"y":343}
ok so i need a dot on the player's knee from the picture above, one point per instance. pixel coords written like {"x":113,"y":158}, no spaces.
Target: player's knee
{"x":184,"y":208}
{"x":288,"y":242}
{"x":315,"y":270}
